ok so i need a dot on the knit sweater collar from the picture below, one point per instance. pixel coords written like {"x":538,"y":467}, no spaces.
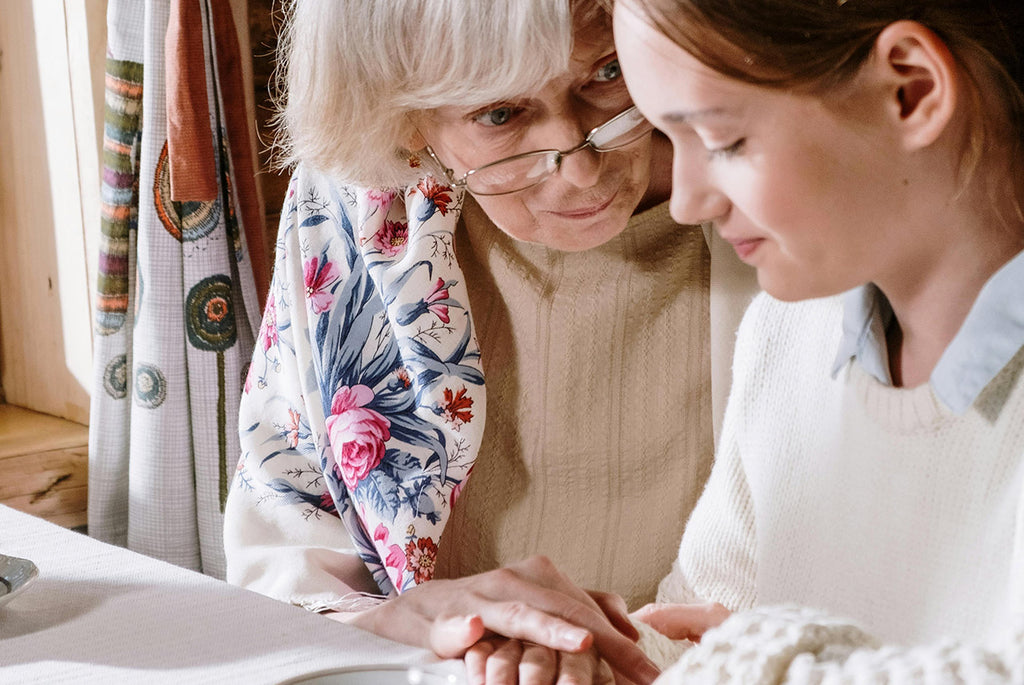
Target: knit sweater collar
{"x":990,"y":336}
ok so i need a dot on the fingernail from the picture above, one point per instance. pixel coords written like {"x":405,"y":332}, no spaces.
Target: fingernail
{"x":467,"y":623}
{"x":574,"y":638}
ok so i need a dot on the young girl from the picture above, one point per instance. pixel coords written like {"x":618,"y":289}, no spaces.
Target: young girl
{"x":864,"y":519}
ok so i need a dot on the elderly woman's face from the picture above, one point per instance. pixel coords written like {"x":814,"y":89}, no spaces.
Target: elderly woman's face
{"x":590,"y":199}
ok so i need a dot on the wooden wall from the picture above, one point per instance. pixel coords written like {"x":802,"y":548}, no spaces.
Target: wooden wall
{"x":264,"y":23}
{"x":49,"y":204}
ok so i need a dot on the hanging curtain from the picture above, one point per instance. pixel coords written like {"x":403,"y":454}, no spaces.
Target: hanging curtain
{"x":182,"y":273}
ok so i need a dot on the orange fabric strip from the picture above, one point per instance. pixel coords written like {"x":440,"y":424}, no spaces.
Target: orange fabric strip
{"x":237,"y":124}
{"x":192,"y":157}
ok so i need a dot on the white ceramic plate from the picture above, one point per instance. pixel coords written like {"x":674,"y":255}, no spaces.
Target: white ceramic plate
{"x":378,"y":675}
{"x":15,"y":575}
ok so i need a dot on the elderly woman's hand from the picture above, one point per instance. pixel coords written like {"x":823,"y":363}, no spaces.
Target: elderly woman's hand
{"x":530,"y":601}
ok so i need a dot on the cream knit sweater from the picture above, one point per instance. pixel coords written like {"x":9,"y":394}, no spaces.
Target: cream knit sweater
{"x":587,"y":355}
{"x":896,"y":526}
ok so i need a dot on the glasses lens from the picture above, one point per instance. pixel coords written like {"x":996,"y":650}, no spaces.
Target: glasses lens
{"x":510,"y":175}
{"x":627,"y":127}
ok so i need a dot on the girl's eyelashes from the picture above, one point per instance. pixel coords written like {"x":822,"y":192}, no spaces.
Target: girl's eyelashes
{"x":729,"y":150}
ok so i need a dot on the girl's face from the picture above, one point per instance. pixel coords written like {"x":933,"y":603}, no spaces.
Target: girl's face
{"x":586,"y":203}
{"x":808,"y":191}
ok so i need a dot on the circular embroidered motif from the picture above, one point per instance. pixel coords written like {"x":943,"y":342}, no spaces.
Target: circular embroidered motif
{"x":115,"y":377}
{"x":209,"y":315}
{"x":150,"y":386}
{"x":186,"y":221}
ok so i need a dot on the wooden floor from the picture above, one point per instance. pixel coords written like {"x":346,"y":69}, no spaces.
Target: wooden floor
{"x":43,"y":465}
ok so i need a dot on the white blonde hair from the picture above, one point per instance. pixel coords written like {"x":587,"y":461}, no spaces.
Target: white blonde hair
{"x":351,"y":71}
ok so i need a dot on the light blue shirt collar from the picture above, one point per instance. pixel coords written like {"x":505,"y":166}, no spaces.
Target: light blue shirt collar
{"x":866,"y":315}
{"x":990,"y":336}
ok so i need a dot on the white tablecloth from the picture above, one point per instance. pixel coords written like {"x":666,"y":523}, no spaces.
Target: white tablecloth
{"x":102,"y":614}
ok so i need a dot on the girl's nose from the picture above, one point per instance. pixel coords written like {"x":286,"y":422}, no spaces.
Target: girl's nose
{"x":695,"y":199}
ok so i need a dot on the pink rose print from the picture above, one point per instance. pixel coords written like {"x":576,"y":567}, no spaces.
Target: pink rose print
{"x":440,"y":292}
{"x":456,"y":493}
{"x":381,"y":199}
{"x":292,"y":428}
{"x":357,"y":434}
{"x":457,"y":490}
{"x":391,"y":237}
{"x":394,"y":560}
{"x":268,"y":331}
{"x":318,"y":279}
{"x":327,"y":503}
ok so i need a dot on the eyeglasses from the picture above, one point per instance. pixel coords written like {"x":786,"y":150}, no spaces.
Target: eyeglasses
{"x":522,"y":171}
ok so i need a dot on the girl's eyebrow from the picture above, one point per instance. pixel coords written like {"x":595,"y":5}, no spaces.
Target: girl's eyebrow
{"x":686,"y":117}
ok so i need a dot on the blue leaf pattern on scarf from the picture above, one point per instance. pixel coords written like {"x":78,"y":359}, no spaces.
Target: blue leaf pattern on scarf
{"x":360,"y":352}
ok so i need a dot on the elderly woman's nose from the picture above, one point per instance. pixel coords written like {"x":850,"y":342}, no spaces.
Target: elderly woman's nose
{"x":695,"y":198}
{"x":582,"y":168}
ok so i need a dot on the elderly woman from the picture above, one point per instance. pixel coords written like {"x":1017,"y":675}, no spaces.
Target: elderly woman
{"x":461,"y":156}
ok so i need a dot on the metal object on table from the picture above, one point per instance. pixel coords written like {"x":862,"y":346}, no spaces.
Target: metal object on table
{"x":15,"y":575}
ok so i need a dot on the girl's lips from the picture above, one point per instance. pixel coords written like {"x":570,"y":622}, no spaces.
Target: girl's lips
{"x":745,"y":246}
{"x":586,"y":212}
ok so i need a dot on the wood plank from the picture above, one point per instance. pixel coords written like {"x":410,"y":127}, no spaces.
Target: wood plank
{"x":28,"y":432}
{"x":38,"y":474}
{"x":44,"y":464}
{"x":55,"y":503}
{"x":73,"y":519}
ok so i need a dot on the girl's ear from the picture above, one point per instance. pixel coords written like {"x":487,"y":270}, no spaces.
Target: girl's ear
{"x":921,"y":80}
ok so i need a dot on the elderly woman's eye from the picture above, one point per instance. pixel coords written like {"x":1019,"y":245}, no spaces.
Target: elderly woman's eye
{"x":495,"y":117}
{"x":609,"y":71}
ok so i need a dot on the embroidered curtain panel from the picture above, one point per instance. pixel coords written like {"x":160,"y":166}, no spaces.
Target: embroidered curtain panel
{"x":182,"y":274}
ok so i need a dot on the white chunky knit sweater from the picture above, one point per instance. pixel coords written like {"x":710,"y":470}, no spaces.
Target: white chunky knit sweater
{"x":879,"y":535}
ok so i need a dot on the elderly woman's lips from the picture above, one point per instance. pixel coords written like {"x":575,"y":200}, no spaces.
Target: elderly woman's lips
{"x":585,"y":212}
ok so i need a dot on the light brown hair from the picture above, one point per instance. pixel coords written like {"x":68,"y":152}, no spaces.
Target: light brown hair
{"x":817,"y":45}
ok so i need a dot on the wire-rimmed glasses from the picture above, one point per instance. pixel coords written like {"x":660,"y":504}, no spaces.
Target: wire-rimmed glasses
{"x":525,"y":170}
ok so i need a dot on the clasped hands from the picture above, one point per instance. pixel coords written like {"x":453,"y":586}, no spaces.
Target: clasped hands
{"x":528,"y":623}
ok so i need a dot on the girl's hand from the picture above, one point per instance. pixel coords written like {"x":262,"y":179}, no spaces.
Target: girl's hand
{"x":501,"y":661}
{"x":682,"y":621}
{"x":530,"y":601}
